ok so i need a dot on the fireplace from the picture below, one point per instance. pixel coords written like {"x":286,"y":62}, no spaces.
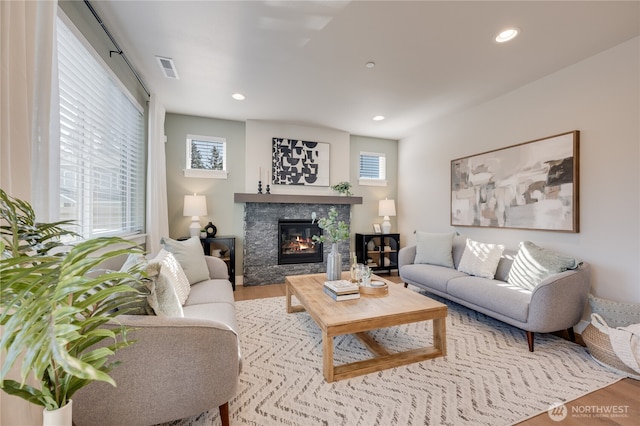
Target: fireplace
{"x":295,"y":242}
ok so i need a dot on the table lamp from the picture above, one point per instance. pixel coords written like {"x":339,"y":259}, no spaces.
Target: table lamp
{"x":194,"y":206}
{"x":386,"y":208}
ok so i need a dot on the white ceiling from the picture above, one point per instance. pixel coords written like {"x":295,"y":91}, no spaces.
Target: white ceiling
{"x":303,"y":62}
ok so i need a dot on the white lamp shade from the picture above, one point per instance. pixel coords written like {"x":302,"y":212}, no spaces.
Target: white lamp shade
{"x":387,"y":208}
{"x":195,"y":205}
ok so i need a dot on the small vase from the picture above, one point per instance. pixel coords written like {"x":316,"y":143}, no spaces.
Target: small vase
{"x":60,"y":417}
{"x":354,"y":267}
{"x":334,"y":264}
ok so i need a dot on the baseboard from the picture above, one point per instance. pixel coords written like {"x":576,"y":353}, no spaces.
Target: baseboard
{"x":240,"y":280}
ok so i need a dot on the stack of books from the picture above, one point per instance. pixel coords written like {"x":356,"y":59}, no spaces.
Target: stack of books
{"x":342,"y":290}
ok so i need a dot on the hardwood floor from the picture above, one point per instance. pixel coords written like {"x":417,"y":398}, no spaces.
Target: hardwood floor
{"x":617,"y":404}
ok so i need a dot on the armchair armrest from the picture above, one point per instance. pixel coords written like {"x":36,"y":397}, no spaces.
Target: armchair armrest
{"x":217,"y":268}
{"x":558,"y":302}
{"x":178,"y":367}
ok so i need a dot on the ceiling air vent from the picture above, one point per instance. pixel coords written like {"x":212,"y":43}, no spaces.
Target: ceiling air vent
{"x":167,"y":66}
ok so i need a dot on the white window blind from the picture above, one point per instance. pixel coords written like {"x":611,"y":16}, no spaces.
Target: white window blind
{"x":372,"y":166}
{"x":102,"y":146}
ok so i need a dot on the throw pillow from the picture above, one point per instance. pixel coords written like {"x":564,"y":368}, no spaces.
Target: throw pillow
{"x":146,"y":273}
{"x":172,"y":271}
{"x":434,"y":248}
{"x":534,"y":264}
{"x":190,"y":255}
{"x":164,"y":300}
{"x":480,"y":259}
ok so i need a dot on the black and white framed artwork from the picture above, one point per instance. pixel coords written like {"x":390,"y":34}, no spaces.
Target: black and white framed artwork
{"x":298,"y":162}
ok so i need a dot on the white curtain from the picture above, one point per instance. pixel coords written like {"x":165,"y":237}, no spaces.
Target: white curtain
{"x":28,"y":47}
{"x":27,"y":40}
{"x":157,"y":210}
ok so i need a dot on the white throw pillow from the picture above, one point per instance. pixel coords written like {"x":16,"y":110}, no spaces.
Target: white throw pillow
{"x":190,"y":254}
{"x":434,"y":249}
{"x":480,"y":259}
{"x":172,"y":271}
{"x":164,"y":300}
{"x":534,"y":264}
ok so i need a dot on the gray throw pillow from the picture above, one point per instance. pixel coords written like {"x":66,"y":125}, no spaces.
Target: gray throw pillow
{"x":190,"y":255}
{"x":534,"y":264}
{"x":434,"y":248}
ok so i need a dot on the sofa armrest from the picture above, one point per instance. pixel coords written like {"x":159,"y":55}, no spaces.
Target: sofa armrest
{"x":178,"y":367}
{"x":217,"y":268}
{"x":406,"y":256}
{"x":558,"y":302}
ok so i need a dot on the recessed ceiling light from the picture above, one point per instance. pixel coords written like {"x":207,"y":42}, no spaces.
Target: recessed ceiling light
{"x":378,"y":118}
{"x":370,"y":64}
{"x":238,"y":96}
{"x":506,"y":35}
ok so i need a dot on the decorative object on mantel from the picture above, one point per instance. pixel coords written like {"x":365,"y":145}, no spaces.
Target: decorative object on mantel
{"x":333,"y":231}
{"x":343,"y":188}
{"x":297,"y":162}
{"x":532,"y":185}
{"x":211,"y":230}
{"x":386,"y":208}
{"x":194,"y":206}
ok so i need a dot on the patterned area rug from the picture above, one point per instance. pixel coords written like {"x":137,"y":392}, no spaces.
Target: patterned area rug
{"x":488,"y":377}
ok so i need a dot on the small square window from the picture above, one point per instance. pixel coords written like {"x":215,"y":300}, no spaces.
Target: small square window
{"x":206,"y":157}
{"x":372,"y":169}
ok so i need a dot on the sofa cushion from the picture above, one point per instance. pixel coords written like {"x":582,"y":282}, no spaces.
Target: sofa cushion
{"x":172,"y":271}
{"x":432,"y":276}
{"x":434,"y":249}
{"x":224,"y":313}
{"x":493,"y":295}
{"x":534,"y":264}
{"x":210,"y":291}
{"x":480,"y":259}
{"x":459,"y":244}
{"x":190,"y":254}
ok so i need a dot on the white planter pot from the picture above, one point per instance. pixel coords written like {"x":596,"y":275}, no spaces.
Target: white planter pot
{"x":60,"y":417}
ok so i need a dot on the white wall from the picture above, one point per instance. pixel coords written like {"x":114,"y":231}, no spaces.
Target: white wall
{"x":598,"y":96}
{"x":258,"y":154}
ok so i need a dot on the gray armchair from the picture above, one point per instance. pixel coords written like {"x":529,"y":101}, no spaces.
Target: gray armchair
{"x":179,"y":367}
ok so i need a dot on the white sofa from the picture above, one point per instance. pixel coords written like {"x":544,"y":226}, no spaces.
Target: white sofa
{"x":556,"y":303}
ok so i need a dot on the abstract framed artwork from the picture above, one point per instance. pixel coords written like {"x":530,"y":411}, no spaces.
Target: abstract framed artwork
{"x":532,"y":185}
{"x":298,"y":162}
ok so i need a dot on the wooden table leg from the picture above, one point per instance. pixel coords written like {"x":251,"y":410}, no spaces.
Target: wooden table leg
{"x":288,"y":298}
{"x":440,"y":334}
{"x":327,"y":357}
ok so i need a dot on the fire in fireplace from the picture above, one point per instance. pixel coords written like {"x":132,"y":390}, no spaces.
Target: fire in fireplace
{"x":295,"y":242}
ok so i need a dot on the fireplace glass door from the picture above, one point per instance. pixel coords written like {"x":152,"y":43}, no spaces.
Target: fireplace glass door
{"x":295,"y":243}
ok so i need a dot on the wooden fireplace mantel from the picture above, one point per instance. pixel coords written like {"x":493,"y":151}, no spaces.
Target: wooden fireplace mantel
{"x":295,"y":199}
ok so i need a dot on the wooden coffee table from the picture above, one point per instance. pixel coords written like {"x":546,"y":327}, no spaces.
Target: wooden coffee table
{"x":400,"y":306}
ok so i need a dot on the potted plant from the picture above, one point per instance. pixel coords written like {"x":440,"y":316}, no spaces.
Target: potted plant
{"x":343,"y":188}
{"x":52,"y":309}
{"x":333,"y":231}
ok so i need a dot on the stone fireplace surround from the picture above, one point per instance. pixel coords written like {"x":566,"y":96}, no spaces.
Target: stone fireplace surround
{"x":261,"y":234}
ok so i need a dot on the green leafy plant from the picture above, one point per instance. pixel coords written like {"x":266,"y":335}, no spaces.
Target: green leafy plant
{"x":342,"y":188}
{"x":334,"y":230}
{"x":52,"y":308}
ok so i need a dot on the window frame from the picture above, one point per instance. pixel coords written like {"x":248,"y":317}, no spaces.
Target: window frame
{"x":367,"y":181}
{"x":205,"y":173}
